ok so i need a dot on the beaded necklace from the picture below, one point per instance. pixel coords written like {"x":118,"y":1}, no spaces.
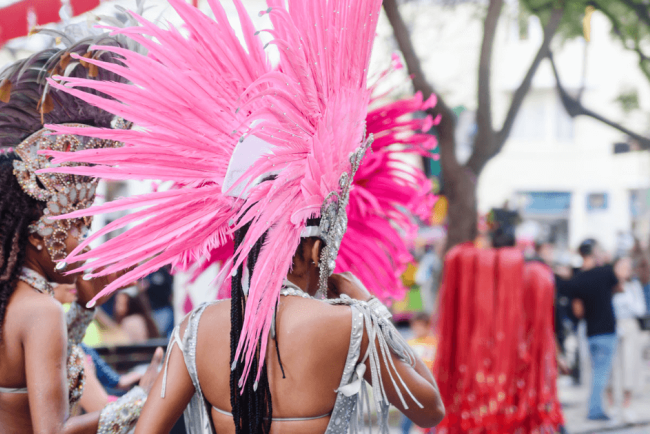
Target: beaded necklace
{"x":36,"y":281}
{"x":289,"y":288}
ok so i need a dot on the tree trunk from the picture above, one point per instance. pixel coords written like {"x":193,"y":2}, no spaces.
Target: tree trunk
{"x":459,"y":184}
{"x":462,"y":215}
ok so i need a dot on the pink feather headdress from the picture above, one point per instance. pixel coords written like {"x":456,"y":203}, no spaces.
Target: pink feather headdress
{"x":195,"y":99}
{"x":388,"y":194}
{"x":386,"y":197}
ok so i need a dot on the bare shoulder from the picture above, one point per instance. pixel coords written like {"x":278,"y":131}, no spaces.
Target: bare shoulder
{"x":330,"y":313}
{"x":32,"y":311}
{"x":215,"y":315}
{"x":318,"y":317}
{"x":311,"y":316}
{"x":32,"y":305}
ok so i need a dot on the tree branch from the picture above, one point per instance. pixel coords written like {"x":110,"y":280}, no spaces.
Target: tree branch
{"x":524,"y":87}
{"x":484,"y":110}
{"x":575,"y":108}
{"x":484,"y":150}
{"x":446,"y":127}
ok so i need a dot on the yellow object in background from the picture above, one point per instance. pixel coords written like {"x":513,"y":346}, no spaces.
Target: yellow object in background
{"x":425,"y":348}
{"x":408,"y":277}
{"x":93,"y":336}
{"x":439,"y":211}
{"x":586,"y":22}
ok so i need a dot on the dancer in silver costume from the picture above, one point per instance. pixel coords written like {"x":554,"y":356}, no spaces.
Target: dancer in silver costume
{"x":42,"y":371}
{"x":263,"y":156}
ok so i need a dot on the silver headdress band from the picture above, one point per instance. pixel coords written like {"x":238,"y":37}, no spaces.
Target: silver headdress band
{"x":334,"y":218}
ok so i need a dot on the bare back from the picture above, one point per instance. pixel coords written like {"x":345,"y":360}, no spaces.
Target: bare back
{"x":329,"y":350}
{"x":26,"y":316}
{"x":313,"y":339}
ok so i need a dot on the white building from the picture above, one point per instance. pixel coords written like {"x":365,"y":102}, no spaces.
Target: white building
{"x":558,"y":171}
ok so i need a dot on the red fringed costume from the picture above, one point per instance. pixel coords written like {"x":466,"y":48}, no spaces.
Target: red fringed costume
{"x":496,"y":365}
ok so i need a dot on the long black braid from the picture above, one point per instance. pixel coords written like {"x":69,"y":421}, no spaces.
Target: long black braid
{"x":17,"y":212}
{"x":252,"y":409}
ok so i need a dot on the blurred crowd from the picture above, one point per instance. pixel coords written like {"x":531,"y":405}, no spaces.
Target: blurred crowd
{"x":602,"y":318}
{"x":601,"y":323}
{"x":137,"y":313}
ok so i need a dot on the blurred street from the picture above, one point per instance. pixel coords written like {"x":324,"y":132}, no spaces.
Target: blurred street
{"x":574,"y":399}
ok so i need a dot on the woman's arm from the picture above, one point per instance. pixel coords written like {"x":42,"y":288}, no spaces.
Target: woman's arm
{"x":419,"y":381}
{"x":45,"y":342}
{"x":90,"y":423}
{"x":418,"y":378}
{"x":84,"y":424}
{"x":45,"y":345}
{"x":160,"y":414}
{"x":94,"y":397}
{"x":578,"y":308}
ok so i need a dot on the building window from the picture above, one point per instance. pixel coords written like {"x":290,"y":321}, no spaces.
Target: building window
{"x":563,"y":122}
{"x":544,"y":203}
{"x":530,"y":123}
{"x":597,"y":201}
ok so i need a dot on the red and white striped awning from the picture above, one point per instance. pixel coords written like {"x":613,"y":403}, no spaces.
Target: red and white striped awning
{"x":19,"y":18}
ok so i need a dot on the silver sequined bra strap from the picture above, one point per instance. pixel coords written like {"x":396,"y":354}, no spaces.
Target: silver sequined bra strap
{"x":13,"y":390}
{"x":345,"y":412}
{"x":187,"y":345}
{"x":197,"y":413}
{"x":383,"y":339}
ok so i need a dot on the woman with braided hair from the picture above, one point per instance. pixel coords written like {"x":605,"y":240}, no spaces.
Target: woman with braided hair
{"x":41,"y":362}
{"x":264,"y":156}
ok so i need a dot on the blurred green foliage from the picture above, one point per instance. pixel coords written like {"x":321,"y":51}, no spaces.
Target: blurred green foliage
{"x":630,"y":20}
{"x":628,"y":100}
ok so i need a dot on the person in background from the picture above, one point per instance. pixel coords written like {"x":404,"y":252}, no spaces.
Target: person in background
{"x":159,"y":287}
{"x":544,"y":254}
{"x":98,"y":374}
{"x":643,"y":273}
{"x":593,"y":289}
{"x":565,"y":321}
{"x":591,"y":256}
{"x":133,"y":314}
{"x":629,"y":305}
{"x":424,"y":344}
{"x":107,"y":376}
{"x":496,"y":323}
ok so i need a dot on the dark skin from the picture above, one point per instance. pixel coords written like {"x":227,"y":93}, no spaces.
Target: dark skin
{"x":313,"y":339}
{"x":33,"y":352}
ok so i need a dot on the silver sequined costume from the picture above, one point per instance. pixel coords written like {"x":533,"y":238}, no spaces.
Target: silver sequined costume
{"x":78,"y":319}
{"x":352,"y":398}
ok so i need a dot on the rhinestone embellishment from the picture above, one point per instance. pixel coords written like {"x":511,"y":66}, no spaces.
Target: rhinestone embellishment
{"x":334,"y":218}
{"x":63,"y":193}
